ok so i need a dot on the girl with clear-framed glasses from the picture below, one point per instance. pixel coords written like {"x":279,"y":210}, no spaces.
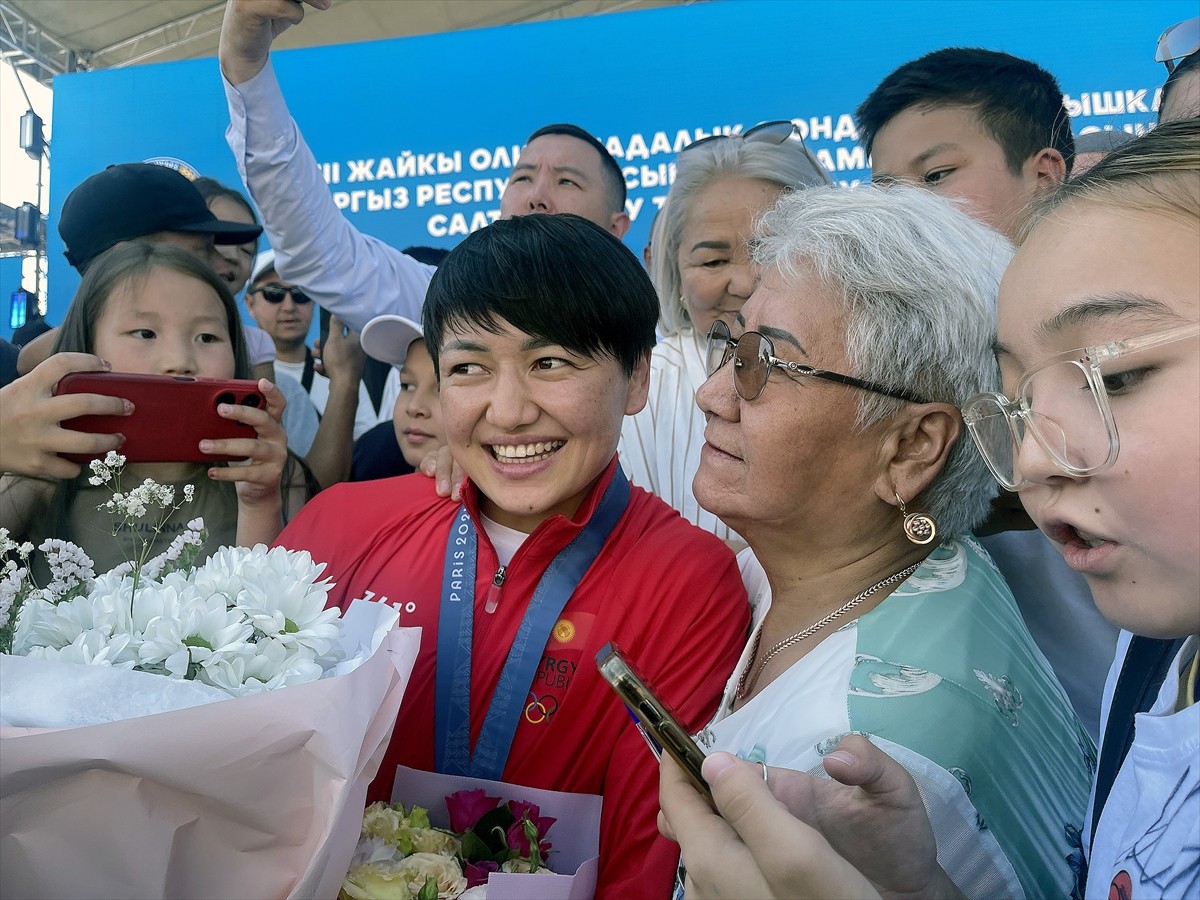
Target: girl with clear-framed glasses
{"x":1099,"y":346}
{"x":1107,"y":282}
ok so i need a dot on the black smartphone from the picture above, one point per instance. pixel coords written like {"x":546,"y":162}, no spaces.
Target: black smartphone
{"x":656,"y":722}
{"x":323,"y":317}
{"x":171,"y":414}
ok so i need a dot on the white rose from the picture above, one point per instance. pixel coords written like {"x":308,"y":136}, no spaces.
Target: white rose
{"x":445,"y":870}
{"x":516,"y":866}
{"x":433,"y":840}
{"x":381,"y":820}
{"x":375,"y":881}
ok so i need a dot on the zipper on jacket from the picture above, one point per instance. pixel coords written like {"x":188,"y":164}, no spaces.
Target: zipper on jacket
{"x":493,"y":594}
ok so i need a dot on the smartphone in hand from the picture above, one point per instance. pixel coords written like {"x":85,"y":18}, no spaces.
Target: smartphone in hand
{"x":171,"y":414}
{"x":656,"y":722}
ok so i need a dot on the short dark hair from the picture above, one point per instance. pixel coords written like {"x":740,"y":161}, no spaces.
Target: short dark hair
{"x":1186,"y":66}
{"x":431,"y":256}
{"x":614,"y":179}
{"x":1018,"y":103}
{"x":559,"y":278}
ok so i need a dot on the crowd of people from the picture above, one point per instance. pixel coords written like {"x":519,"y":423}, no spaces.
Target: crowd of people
{"x":891,"y":492}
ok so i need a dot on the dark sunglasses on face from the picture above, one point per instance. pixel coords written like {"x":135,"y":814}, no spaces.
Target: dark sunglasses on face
{"x":274,"y":293}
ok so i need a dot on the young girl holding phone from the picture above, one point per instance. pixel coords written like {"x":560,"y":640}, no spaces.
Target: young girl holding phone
{"x":155,"y":309}
{"x":1099,"y":431}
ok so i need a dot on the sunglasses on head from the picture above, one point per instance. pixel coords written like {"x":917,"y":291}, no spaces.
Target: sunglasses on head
{"x":1178,"y":41}
{"x":774,"y":132}
{"x":274,"y":293}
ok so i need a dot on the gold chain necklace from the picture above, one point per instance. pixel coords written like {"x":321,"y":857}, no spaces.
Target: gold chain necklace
{"x":743,"y":688}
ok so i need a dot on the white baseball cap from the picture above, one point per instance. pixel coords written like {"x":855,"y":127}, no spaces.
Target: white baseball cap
{"x":263,"y":263}
{"x":387,"y":338}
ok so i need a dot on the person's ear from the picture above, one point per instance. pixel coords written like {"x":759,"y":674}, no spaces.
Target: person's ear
{"x":619,"y":224}
{"x":639,"y":385}
{"x":916,"y":449}
{"x":1048,"y":168}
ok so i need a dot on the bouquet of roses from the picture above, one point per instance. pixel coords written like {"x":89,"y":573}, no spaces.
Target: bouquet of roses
{"x":216,"y":710}
{"x":402,"y":855}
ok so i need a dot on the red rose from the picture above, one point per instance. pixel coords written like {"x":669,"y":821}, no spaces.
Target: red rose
{"x":467,"y":807}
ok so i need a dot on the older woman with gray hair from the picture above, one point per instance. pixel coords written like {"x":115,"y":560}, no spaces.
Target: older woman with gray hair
{"x":703,"y":271}
{"x":835,"y":447}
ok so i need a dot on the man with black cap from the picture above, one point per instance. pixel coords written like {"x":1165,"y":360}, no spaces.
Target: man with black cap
{"x":563,"y":169}
{"x":144,"y":201}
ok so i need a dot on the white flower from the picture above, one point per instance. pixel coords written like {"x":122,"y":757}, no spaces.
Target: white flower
{"x":10,"y":585}
{"x":55,"y":625}
{"x":517,"y":866}
{"x":70,"y":568}
{"x":196,"y":632}
{"x":434,"y":840}
{"x":278,"y":591}
{"x":104,"y":470}
{"x":90,"y":648}
{"x":445,"y":870}
{"x":250,"y":620}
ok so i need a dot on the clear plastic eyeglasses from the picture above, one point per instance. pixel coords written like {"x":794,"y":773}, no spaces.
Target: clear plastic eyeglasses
{"x":1064,"y":404}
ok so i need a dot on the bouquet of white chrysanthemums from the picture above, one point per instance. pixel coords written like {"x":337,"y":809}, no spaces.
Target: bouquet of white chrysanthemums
{"x":108,"y":713}
{"x":246,"y":620}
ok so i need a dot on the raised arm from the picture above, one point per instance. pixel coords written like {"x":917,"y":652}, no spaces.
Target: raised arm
{"x":353,"y":275}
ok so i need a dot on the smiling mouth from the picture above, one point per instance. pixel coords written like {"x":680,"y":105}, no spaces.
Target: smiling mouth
{"x":525,"y":453}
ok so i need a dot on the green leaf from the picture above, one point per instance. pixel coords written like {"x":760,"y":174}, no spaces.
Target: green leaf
{"x":429,"y":890}
{"x":194,"y":640}
{"x":492,"y":828}
{"x":474,"y":849}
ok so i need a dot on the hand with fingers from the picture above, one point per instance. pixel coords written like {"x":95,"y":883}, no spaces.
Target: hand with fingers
{"x":441,"y":466}
{"x":257,"y":476}
{"x":31,"y":417}
{"x":342,"y":358}
{"x":249,"y":27}
{"x":863,"y":834}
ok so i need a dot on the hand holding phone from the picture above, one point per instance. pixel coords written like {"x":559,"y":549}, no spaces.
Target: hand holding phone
{"x":171,"y":414}
{"x":652,"y":717}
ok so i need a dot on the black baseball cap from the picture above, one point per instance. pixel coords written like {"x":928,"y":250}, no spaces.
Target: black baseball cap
{"x":132,"y":200}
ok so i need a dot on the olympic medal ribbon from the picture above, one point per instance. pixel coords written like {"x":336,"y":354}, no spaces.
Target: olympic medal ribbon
{"x":452,"y":688}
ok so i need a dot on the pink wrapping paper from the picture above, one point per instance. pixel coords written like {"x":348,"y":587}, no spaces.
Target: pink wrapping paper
{"x":575,"y":836}
{"x":255,"y":797}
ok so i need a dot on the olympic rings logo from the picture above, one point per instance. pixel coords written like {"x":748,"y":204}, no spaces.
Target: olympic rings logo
{"x":540,"y":709}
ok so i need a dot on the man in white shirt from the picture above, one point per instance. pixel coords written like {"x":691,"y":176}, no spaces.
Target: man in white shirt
{"x":563,"y":169}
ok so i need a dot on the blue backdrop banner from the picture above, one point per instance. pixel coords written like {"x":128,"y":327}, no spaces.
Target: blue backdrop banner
{"x":416,"y":135}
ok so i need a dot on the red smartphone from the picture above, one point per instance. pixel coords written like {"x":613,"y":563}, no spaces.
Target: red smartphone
{"x":171,"y":414}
